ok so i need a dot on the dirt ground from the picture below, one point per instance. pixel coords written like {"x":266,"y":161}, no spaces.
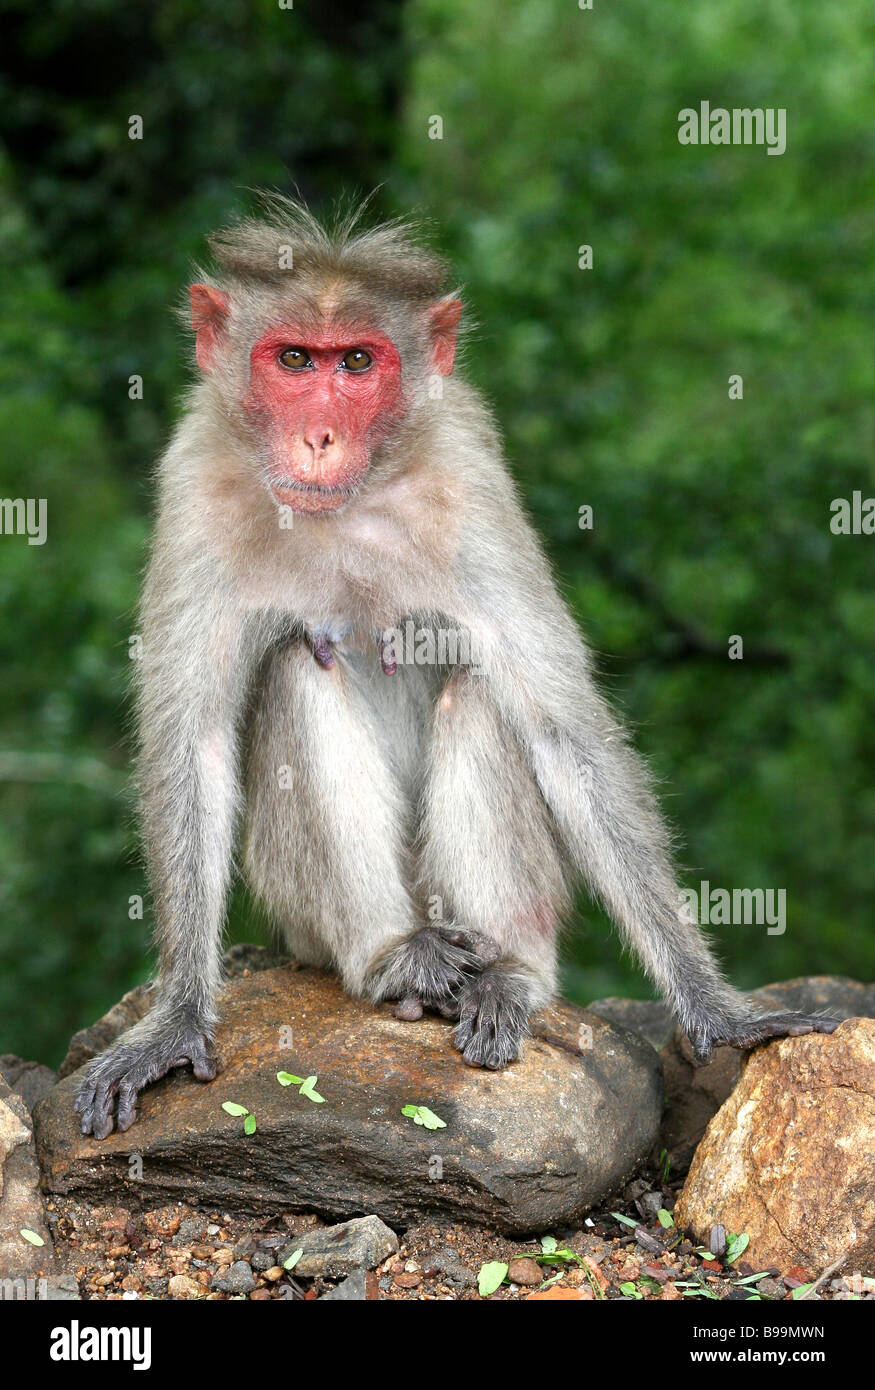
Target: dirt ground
{"x":177,"y":1252}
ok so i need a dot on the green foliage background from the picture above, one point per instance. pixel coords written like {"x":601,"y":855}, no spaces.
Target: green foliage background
{"x":611,"y":384}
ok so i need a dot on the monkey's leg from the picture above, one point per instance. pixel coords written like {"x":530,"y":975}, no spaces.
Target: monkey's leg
{"x":327,"y":812}
{"x":488,"y":852}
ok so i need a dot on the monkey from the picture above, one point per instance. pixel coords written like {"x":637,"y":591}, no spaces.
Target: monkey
{"x":415,"y":825}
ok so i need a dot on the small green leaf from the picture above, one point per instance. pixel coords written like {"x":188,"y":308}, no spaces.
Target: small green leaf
{"x":307,"y":1090}
{"x":549,"y":1244}
{"x":625,"y":1220}
{"x":801,"y":1291}
{"x":421,"y":1115}
{"x":491,"y":1277}
{"x":285,"y":1078}
{"x":232,"y":1108}
{"x":32,"y":1236}
{"x":249,"y":1125}
{"x":631,"y":1291}
{"x":665,"y":1218}
{"x":293,"y":1259}
{"x":735,"y":1246}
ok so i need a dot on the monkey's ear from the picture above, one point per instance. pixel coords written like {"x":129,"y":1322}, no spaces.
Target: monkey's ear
{"x":443,"y":320}
{"x":209,"y":317}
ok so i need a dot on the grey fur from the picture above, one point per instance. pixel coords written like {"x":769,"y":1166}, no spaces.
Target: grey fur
{"x":370,"y":797}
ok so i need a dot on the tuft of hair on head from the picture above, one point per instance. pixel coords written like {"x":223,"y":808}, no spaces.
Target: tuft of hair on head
{"x":387,"y":256}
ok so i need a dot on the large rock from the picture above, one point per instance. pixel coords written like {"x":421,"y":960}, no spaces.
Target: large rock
{"x":694,"y":1093}
{"x":21,"y":1203}
{"x":522,"y":1150}
{"x":789,"y":1159}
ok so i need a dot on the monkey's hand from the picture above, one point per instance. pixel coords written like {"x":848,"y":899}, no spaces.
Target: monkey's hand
{"x":108,"y":1095}
{"x":429,"y":969}
{"x":749,"y":1032}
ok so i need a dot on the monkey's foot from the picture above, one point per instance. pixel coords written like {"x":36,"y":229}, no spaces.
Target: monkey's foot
{"x":494,"y":1017}
{"x":750,"y":1032}
{"x":108,"y":1096}
{"x":429,"y":969}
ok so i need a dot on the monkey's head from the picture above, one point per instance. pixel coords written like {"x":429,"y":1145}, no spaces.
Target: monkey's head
{"x":321,"y":343}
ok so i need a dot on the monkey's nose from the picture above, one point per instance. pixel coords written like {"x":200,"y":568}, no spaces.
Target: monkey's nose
{"x":319,"y":439}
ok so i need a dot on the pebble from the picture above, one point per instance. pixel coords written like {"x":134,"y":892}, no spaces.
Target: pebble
{"x":525,"y":1271}
{"x":183,"y":1286}
{"x":238,"y":1279}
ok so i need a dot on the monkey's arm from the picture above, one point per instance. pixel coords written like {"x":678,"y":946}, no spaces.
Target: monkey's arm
{"x":196,"y":657}
{"x":536,"y":668}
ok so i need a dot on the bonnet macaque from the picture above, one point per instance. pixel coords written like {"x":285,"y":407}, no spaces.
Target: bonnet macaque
{"x":356,"y":659}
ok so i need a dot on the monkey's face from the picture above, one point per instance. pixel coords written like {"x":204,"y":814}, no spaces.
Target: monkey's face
{"x":322,"y":391}
{"x":322,"y":402}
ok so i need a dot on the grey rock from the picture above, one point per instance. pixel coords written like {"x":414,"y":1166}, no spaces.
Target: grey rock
{"x":524,"y":1150}
{"x":334,"y":1250}
{"x":238,"y":1279}
{"x":649,"y":1018}
{"x":21,"y":1202}
{"x":30,"y":1079}
{"x":356,"y":1288}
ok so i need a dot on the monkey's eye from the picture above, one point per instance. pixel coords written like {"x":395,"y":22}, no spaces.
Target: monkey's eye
{"x":295,"y":358}
{"x":357,"y":360}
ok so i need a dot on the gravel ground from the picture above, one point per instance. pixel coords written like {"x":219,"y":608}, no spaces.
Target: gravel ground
{"x":177,"y":1252}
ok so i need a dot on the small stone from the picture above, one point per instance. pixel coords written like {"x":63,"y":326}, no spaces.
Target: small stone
{"x":275,"y":1272}
{"x":770,"y":1288}
{"x":260,"y":1295}
{"x":263,"y":1259}
{"x":357,"y":1288}
{"x":407,"y":1281}
{"x":61,"y":1288}
{"x":183,"y":1286}
{"x":334,"y":1250}
{"x":237,"y":1280}
{"x":164,"y":1222}
{"x":525,"y":1271}
{"x":202,"y":1252}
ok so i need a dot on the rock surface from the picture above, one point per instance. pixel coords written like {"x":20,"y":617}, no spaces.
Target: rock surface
{"x":336,"y":1250}
{"x":30,"y":1079}
{"x":523,"y":1150}
{"x":237,"y":962}
{"x":21,"y":1203}
{"x":790,"y":1157}
{"x":694,"y":1093}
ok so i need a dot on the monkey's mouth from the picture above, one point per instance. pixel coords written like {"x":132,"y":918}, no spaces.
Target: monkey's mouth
{"x":309,"y":497}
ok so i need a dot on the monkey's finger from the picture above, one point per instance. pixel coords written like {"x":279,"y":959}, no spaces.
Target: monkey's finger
{"x":103,"y":1120}
{"x":127,"y":1104}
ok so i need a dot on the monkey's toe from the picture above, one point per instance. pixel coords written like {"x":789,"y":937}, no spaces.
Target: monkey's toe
{"x":750,"y":1032}
{"x":492,"y":1020}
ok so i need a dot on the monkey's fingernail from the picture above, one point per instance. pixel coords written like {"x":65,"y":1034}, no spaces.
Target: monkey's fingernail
{"x":409,"y":1010}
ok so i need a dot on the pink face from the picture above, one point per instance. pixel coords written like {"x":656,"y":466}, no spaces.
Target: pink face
{"x":323,"y":404}
{"x":322,"y":401}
